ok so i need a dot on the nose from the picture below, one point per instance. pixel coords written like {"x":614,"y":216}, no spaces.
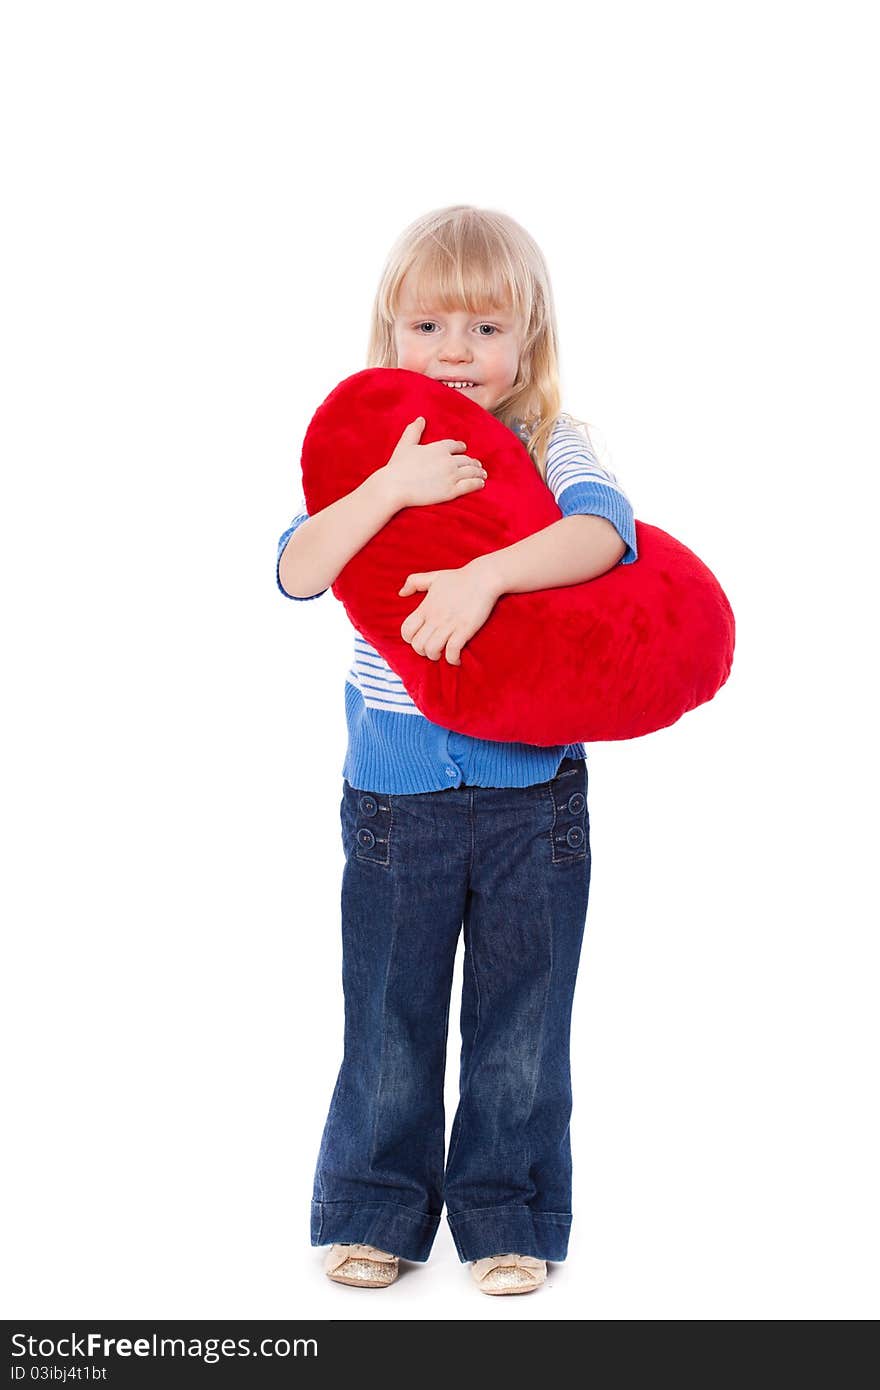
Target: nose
{"x":455,"y":349}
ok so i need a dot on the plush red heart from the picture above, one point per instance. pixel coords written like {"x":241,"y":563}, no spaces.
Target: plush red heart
{"x":612,"y":658}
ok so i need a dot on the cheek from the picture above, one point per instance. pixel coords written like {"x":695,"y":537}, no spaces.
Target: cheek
{"x":506,"y":363}
{"x":410,"y":355}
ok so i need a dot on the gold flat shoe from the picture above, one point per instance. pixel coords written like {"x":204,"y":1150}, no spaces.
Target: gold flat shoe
{"x":362,"y":1266}
{"x":501,"y":1274}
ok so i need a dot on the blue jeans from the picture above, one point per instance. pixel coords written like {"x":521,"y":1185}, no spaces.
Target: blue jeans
{"x":512,"y":865}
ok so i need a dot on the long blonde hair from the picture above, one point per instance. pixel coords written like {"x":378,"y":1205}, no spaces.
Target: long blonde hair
{"x":479,"y":259}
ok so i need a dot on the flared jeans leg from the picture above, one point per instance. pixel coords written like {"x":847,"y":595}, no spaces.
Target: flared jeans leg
{"x":509,"y":1171}
{"x":379,"y":1175}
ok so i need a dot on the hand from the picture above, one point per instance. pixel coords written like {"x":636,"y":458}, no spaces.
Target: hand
{"x":456,"y":605}
{"x":419,"y":474}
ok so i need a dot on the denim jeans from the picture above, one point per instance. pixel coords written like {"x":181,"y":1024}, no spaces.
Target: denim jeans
{"x":511,"y":865}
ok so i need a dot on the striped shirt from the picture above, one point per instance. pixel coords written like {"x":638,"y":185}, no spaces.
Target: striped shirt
{"x":392,"y":746}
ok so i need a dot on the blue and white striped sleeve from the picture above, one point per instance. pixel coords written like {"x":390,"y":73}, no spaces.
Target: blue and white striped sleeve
{"x":301,"y":516}
{"x":580,"y":485}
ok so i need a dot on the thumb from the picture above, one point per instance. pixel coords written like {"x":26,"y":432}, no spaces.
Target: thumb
{"x":414,"y":582}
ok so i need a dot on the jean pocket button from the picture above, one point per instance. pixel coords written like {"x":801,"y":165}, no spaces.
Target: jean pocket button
{"x":576,"y":803}
{"x":368,"y":805}
{"x":366,"y":838}
{"x":575,"y":837}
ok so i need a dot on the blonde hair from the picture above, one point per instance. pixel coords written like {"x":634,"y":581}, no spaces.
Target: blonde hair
{"x":479,"y":259}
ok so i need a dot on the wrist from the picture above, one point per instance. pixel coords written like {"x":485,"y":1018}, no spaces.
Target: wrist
{"x":489,"y":573}
{"x":380,"y":485}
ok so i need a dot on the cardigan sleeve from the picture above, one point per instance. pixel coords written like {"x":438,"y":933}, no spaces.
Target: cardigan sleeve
{"x":301,"y":516}
{"x":580,"y":484}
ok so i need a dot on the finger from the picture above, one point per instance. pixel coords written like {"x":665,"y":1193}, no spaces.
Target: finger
{"x":411,"y":626}
{"x":432,"y":640}
{"x":448,"y":644}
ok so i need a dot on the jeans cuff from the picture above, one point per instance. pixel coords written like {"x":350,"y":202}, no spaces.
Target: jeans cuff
{"x":400,"y":1230}
{"x":508,"y":1230}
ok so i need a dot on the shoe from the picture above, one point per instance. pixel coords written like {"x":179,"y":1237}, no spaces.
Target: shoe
{"x":362,"y":1266}
{"x":509,"y":1273}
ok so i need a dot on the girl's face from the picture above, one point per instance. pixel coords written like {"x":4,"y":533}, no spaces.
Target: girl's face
{"x":479,"y":348}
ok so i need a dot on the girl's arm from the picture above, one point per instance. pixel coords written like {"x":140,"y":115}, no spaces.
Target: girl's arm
{"x":321,"y":547}
{"x":569,"y":551}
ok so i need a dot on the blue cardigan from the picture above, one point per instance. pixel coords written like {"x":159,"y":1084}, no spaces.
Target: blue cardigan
{"x":392,"y":747}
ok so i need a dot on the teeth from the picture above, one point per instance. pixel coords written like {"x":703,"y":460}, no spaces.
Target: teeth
{"x":457,"y":385}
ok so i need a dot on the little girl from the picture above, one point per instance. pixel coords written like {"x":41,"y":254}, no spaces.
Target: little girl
{"x":442,"y":831}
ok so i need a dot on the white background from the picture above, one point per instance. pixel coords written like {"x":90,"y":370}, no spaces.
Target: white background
{"x":200,"y":199}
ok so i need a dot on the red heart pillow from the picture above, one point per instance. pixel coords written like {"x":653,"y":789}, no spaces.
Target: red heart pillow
{"x":614,"y":657}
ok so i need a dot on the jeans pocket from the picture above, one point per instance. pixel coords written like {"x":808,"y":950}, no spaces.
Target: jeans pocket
{"x":570,"y":836}
{"x":366,"y":825}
